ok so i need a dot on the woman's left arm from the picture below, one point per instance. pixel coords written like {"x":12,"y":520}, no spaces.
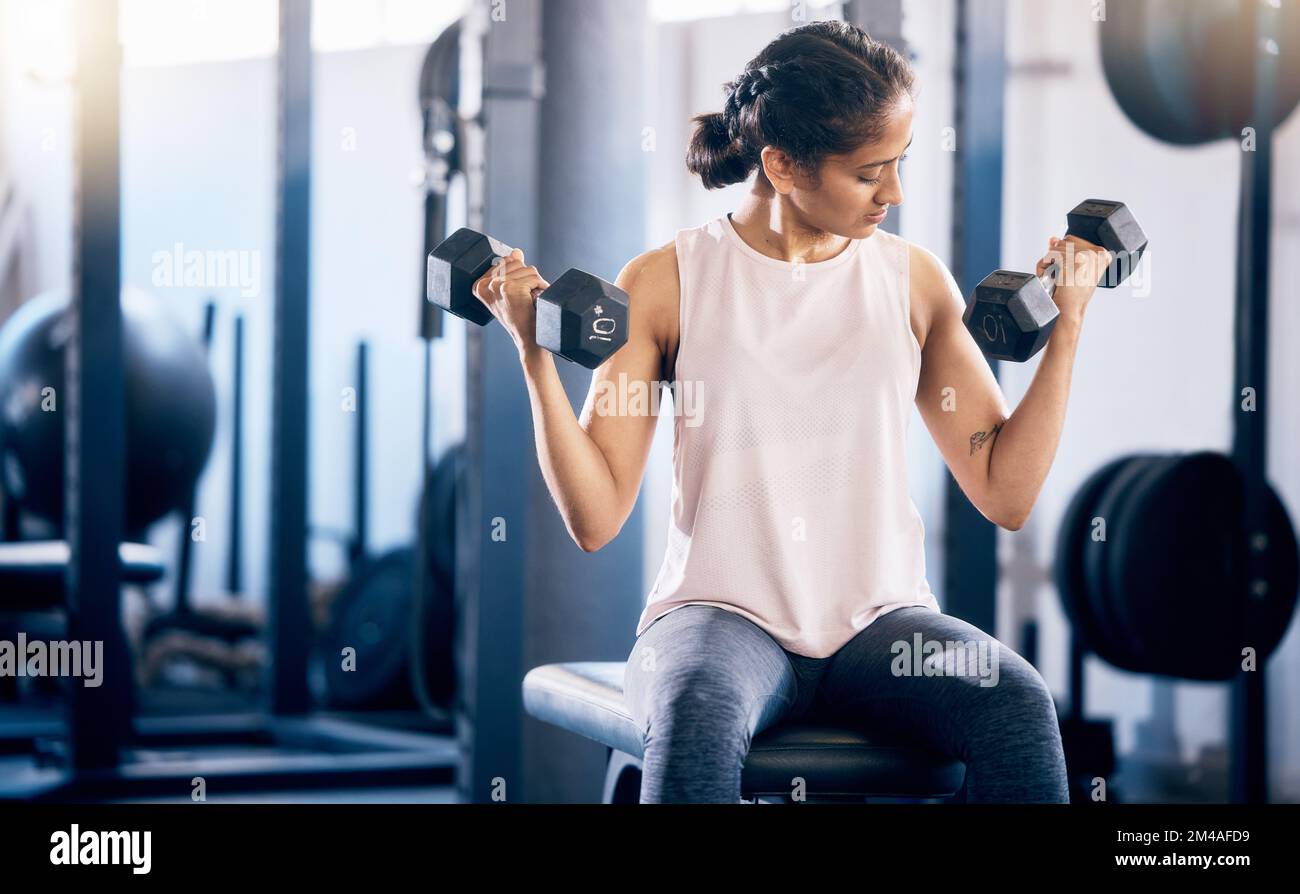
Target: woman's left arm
{"x":999,"y":459}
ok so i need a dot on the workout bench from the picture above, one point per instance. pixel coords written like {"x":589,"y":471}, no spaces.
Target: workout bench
{"x":837,"y":763}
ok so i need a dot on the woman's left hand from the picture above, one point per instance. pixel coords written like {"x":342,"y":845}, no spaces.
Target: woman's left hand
{"x":1081,"y":266}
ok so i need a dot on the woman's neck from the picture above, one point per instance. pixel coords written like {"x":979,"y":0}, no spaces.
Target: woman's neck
{"x":770,"y":226}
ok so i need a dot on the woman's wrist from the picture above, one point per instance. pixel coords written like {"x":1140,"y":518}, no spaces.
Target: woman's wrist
{"x":1069,"y":323}
{"x":531,"y":356}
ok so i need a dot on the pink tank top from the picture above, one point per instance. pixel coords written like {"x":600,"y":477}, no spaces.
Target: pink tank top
{"x":795,"y":387}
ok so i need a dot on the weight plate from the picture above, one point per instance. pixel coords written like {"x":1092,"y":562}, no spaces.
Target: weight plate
{"x":1131,"y":539}
{"x":1075,"y":531}
{"x":434,"y":614}
{"x":1096,"y":553}
{"x":1269,"y":614}
{"x":1185,"y":587}
{"x":372,"y":615}
{"x":1175,"y":571}
{"x":437,"y":522}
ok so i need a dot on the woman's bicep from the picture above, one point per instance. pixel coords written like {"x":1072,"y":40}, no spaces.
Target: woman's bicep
{"x":621,"y":409}
{"x":957,"y":394}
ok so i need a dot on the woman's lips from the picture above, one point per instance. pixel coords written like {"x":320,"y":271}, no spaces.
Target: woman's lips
{"x":876,"y":218}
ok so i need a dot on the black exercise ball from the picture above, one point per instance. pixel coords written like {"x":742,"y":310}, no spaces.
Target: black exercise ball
{"x":1183,"y":70}
{"x":170,"y":408}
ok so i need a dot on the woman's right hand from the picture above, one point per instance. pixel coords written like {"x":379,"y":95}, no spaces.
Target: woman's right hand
{"x":510,"y":290}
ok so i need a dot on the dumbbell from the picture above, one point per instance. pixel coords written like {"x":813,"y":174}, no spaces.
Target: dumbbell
{"x":580,"y":317}
{"x":1011,"y":315}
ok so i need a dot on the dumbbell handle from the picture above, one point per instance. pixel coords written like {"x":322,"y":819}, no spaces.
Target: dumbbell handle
{"x":1049,"y":276}
{"x":504,"y":251}
{"x":1125,"y":259}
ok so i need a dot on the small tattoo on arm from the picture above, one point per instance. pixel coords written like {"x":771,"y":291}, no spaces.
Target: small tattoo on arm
{"x":978,"y":439}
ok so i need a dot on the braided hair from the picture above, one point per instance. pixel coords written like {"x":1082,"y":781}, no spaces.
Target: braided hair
{"x":820,"y":89}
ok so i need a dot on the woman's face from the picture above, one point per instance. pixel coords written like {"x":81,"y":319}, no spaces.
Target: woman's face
{"x":855,"y":188}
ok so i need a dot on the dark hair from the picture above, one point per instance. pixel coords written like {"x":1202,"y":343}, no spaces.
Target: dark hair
{"x":820,"y":89}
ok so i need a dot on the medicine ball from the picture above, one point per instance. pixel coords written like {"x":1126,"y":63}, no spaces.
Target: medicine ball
{"x":1183,"y":70}
{"x":170,"y":407}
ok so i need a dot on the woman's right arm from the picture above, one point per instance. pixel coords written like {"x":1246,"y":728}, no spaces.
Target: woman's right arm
{"x":593,"y":466}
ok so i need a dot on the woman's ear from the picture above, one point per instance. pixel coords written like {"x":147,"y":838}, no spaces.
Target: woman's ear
{"x":778,"y":167}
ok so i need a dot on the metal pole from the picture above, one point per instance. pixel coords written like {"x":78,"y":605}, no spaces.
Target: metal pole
{"x":970,"y":541}
{"x":99,"y":717}
{"x":1248,"y":736}
{"x":290,"y":624}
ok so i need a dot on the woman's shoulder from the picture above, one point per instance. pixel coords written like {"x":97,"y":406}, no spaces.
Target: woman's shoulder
{"x":652,"y":266}
{"x":924,"y":267}
{"x":931,"y":288}
{"x":653,"y":288}
{"x":652,"y":276}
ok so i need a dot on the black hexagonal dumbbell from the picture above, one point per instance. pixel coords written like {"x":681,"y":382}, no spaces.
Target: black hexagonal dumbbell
{"x":1011,"y":315}
{"x":581,"y":317}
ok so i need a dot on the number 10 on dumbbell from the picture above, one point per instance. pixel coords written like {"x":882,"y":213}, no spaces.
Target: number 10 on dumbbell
{"x":580,"y":317}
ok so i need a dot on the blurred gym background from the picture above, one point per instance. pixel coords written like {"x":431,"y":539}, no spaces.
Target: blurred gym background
{"x":284,"y":170}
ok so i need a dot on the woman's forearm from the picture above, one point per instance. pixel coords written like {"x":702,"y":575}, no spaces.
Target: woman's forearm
{"x":575,"y":471}
{"x":1023,"y":451}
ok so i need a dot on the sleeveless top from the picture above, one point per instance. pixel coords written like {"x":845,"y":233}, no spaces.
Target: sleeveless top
{"x":793,"y":391}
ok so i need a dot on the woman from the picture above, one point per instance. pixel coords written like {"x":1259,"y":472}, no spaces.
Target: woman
{"x":794,"y":584}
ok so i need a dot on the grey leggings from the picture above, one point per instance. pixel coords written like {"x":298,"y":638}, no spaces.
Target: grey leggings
{"x":702,"y":681}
